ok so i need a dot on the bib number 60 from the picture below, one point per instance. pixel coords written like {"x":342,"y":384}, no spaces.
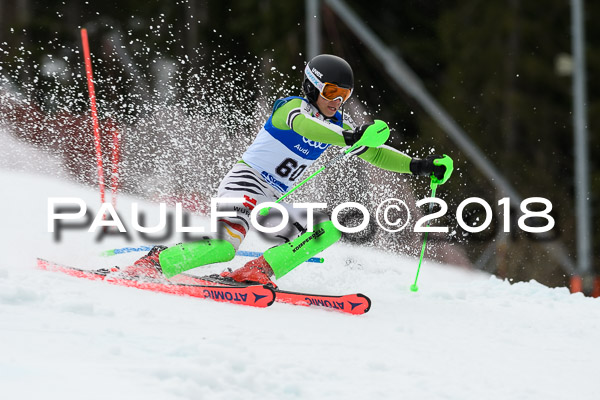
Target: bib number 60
{"x":289,"y":169}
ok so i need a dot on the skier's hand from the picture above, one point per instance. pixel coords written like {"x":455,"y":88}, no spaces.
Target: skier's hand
{"x":351,"y":137}
{"x":438,"y":167}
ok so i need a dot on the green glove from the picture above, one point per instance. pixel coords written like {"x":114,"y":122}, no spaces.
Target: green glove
{"x":351,"y":137}
{"x":439,"y":168}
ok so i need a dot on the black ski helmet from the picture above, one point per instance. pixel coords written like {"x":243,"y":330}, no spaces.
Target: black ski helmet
{"x":327,"y":68}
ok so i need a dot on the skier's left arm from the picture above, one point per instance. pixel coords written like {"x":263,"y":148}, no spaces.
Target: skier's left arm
{"x":391,"y":159}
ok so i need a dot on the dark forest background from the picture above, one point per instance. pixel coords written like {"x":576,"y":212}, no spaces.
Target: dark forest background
{"x":493,"y":65}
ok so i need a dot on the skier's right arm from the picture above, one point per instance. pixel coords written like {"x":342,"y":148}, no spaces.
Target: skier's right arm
{"x":296,"y":115}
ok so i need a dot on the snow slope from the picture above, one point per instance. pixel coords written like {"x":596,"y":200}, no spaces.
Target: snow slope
{"x":464,"y":335}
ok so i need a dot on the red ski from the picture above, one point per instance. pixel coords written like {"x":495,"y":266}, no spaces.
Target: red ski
{"x":350,"y":303}
{"x":253,"y":295}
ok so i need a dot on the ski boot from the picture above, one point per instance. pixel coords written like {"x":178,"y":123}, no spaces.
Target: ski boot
{"x":146,"y":268}
{"x":255,"y":271}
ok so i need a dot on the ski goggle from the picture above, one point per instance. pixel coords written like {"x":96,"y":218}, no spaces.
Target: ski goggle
{"x":328,"y":91}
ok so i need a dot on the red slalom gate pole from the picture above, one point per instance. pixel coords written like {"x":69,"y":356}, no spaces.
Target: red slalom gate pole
{"x":114,"y":179}
{"x":92,"y":93}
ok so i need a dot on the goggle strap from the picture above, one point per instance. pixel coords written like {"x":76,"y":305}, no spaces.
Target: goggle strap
{"x":313,"y":79}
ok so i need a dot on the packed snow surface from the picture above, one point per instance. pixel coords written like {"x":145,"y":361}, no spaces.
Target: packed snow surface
{"x":463,"y":335}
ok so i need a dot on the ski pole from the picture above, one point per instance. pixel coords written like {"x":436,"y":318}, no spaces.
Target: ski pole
{"x":123,"y":250}
{"x":434,"y":184}
{"x":374,"y":136}
{"x":242,"y":253}
{"x":258,"y":254}
{"x":265,"y":211}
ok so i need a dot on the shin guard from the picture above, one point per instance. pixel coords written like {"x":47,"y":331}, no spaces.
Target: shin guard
{"x":288,"y":256}
{"x":186,"y":256}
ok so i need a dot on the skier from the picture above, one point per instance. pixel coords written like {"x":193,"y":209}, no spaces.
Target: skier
{"x":294,"y":136}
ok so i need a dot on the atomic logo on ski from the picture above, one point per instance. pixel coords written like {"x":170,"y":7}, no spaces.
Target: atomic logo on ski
{"x":226,"y":295}
{"x":337,"y":305}
{"x":258,"y":297}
